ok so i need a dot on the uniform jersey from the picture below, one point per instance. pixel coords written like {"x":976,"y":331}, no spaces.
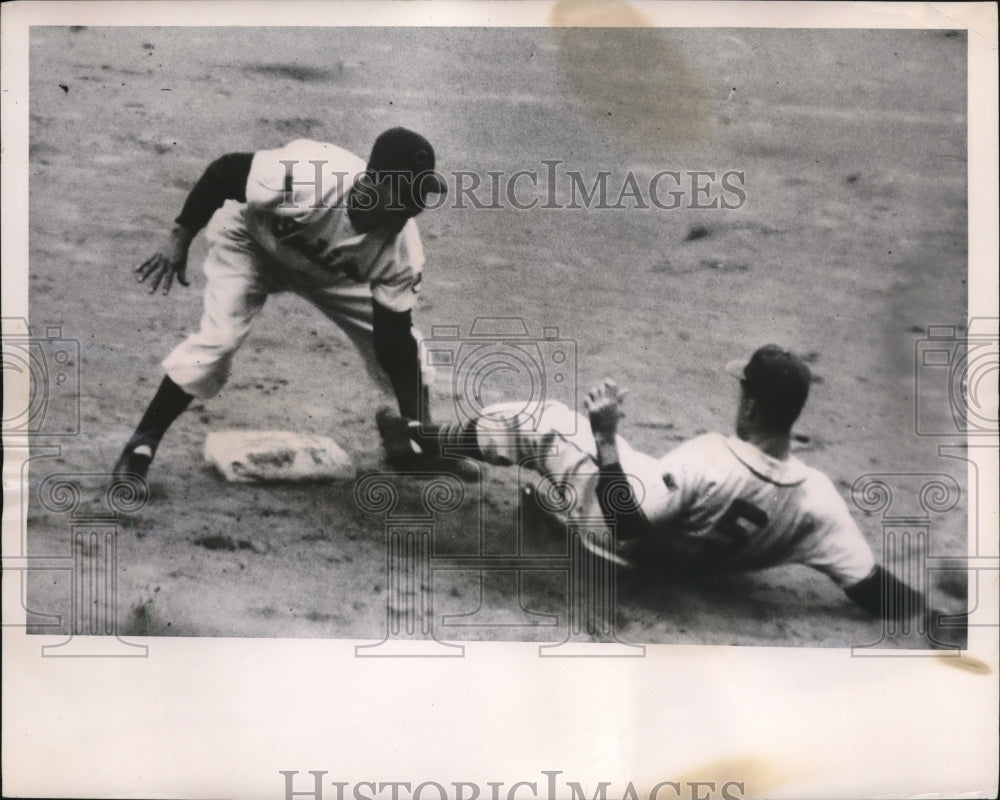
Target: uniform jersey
{"x":716,"y":502}
{"x":277,"y":221}
{"x":296,"y":211}
{"x":731,"y":505}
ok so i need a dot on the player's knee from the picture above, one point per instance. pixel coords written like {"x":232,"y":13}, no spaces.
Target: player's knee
{"x":201,"y":377}
{"x":200,"y":386}
{"x":560,"y":418}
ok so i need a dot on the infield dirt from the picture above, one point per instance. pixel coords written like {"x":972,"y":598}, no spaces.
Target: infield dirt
{"x":851,"y":241}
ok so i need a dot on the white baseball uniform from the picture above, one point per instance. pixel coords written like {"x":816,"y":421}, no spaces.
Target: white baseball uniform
{"x":294,"y":235}
{"x":715,"y":500}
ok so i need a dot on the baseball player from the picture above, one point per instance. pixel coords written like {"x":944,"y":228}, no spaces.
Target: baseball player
{"x":715,"y":502}
{"x":309,"y":218}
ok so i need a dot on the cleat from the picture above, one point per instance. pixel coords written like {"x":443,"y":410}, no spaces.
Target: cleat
{"x":395,"y":433}
{"x":603,"y":545}
{"x":133,"y":463}
{"x":404,"y":455}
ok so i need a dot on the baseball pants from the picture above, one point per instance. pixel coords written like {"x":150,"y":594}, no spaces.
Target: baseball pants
{"x":240,"y":276}
{"x":557,"y":443}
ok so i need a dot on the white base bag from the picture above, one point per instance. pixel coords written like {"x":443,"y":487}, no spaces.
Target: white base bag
{"x":263,"y":456}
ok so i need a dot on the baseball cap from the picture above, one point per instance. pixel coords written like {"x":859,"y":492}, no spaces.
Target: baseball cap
{"x":775,"y":376}
{"x":400,"y":151}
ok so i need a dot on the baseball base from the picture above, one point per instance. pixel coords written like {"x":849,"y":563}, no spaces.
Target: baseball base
{"x":265,"y":456}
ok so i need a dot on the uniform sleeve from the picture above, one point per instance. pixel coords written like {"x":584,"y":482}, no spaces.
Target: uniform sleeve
{"x":619,"y":504}
{"x":224,"y":179}
{"x":397,"y":290}
{"x":833,"y":543}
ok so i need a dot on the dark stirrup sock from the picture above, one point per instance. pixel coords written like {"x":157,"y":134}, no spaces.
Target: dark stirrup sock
{"x":450,"y":438}
{"x":167,"y":405}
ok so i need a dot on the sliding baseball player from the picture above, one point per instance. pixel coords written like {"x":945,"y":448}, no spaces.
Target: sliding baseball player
{"x":715,"y":502}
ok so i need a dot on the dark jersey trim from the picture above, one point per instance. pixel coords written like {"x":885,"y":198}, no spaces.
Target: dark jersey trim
{"x":618,"y":503}
{"x":224,"y":179}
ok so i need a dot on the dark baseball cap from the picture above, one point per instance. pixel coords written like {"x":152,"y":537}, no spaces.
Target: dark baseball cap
{"x":774,"y":376}
{"x":400,"y":151}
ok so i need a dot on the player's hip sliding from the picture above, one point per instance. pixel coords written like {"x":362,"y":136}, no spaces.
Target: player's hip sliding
{"x":309,"y":218}
{"x":715,"y":502}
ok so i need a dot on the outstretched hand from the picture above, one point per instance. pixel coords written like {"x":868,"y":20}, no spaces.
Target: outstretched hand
{"x":604,"y":404}
{"x":167,"y":262}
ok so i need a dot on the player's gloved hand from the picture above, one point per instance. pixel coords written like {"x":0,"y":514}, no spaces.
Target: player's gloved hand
{"x":168,"y":261}
{"x":604,"y":405}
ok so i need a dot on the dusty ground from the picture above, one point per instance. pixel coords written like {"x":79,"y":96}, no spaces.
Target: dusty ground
{"x":851,"y":242}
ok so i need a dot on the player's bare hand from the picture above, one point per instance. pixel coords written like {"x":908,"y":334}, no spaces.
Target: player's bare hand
{"x":604,"y":404}
{"x":168,"y":262}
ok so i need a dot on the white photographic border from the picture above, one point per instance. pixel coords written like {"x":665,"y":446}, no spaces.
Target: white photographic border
{"x":222,"y":717}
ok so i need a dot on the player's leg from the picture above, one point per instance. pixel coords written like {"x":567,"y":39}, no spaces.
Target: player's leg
{"x":554,"y":442}
{"x":350,"y":307}
{"x":551,"y":440}
{"x":557,"y":444}
{"x":199,"y":366}
{"x":548,"y":438}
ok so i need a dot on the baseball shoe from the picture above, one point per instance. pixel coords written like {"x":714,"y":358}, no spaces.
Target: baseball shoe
{"x":395,"y":433}
{"x":404,"y":455}
{"x":603,"y":545}
{"x":133,"y":462}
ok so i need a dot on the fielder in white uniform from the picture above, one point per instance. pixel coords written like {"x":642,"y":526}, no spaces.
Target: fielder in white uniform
{"x":309,"y":218}
{"x":715,"y":502}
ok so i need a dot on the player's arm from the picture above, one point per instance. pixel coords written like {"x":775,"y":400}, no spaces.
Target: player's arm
{"x":224,"y":179}
{"x":398,"y":354}
{"x":885,"y":596}
{"x":614,"y":492}
{"x":838,"y":548}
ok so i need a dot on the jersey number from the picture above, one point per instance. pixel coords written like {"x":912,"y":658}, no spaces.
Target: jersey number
{"x":732,"y":531}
